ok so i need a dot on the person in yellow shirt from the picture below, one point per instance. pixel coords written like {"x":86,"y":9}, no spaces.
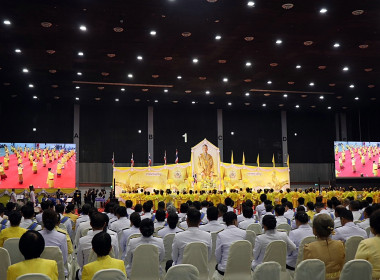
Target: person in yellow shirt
{"x":43,"y":161}
{"x":34,"y":168}
{"x":20,"y":174}
{"x":31,"y":245}
{"x":59,"y":169}
{"x":3,"y":176}
{"x":14,"y":231}
{"x":101,"y":244}
{"x":50,"y":179}
{"x":70,"y":212}
{"x":6,"y":162}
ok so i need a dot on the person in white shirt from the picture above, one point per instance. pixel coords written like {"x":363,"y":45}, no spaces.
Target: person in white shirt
{"x":229,"y":203}
{"x":171,"y":227}
{"x":301,"y":202}
{"x":135,"y":220}
{"x":279,"y":211}
{"x":13,"y":196}
{"x":204,"y":205}
{"x":289,"y":213}
{"x":222,"y":209}
{"x":260,"y":208}
{"x":263,"y":240}
{"x":348,"y":227}
{"x":47,"y":204}
{"x":60,"y":208}
{"x":224,"y":240}
{"x":147,"y":208}
{"x":367,"y":213}
{"x":84,"y":223}
{"x":193,"y":234}
{"x":122,"y":222}
{"x":320,"y":209}
{"x":248,"y":218}
{"x":213,"y":225}
{"x":183,"y":210}
{"x":28,"y":213}
{"x":83,"y":217}
{"x":268,"y":211}
{"x":159,"y":220}
{"x":32,"y":195}
{"x":355,"y":209}
{"x":147,"y":230}
{"x":129,"y":205}
{"x":296,"y":236}
{"x":337,"y":221}
{"x":329,"y":207}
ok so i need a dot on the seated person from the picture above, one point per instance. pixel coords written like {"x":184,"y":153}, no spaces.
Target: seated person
{"x":248,"y":218}
{"x":31,"y":246}
{"x":14,"y":231}
{"x":213,"y":225}
{"x":331,"y":252}
{"x":101,"y":244}
{"x":222,"y":209}
{"x":289,"y":213}
{"x":159,"y":220}
{"x":147,"y":230}
{"x":268,"y":210}
{"x":171,"y":227}
{"x":367,"y":213}
{"x":28,"y":213}
{"x":263,"y":240}
{"x":369,"y":249}
{"x":122,"y":222}
{"x":135,"y":220}
{"x":279,"y":211}
{"x":348,"y":227}
{"x":129,"y":205}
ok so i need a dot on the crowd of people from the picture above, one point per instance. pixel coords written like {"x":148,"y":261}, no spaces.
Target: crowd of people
{"x":331,"y":215}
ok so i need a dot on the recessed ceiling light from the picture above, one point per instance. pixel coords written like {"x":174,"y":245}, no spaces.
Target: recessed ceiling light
{"x":165,"y":90}
{"x":336,"y":45}
{"x":298,"y":66}
{"x":229,"y":104}
{"x":248,"y":64}
{"x":264,"y":105}
{"x":77,"y":87}
{"x":153,"y":33}
{"x":31,"y":85}
{"x":139,"y":131}
{"x":295,"y":134}
{"x":278,"y":42}
{"x":232,"y":133}
{"x":17,"y":51}
{"x":247,"y":94}
{"x":195,"y":60}
{"x":225,"y":80}
{"x":156,"y":101}
{"x":250,"y":4}
{"x":285,"y":95}
{"x":345,"y":68}
{"x":311,"y":84}
{"x":7,"y":22}
{"x":321,"y":97}
{"x":356,"y":98}
{"x":218,"y":37}
{"x":80,"y":53}
{"x":130,"y":75}
{"x":25,"y":70}
{"x":83,"y":28}
{"x":329,"y":107}
{"x":179,"y":77}
{"x":297,"y":106}
{"x":77,"y":98}
{"x":192,"y":102}
{"x":34,"y":129}
{"x":139,"y":57}
{"x":323,"y":11}
{"x":122,"y":89}
{"x":79,"y":73}
{"x":34,"y":97}
{"x":117,"y":99}
{"x":269,"y":82}
{"x":352,"y":86}
{"x":207,"y":92}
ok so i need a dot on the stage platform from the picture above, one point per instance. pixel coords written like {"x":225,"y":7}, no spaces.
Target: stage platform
{"x":5,"y":193}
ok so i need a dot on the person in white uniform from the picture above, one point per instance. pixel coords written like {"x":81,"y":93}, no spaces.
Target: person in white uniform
{"x":60,"y":208}
{"x":367,"y":213}
{"x":348,"y":227}
{"x":261,"y":207}
{"x":32,"y":195}
{"x":289,"y":213}
{"x":135,"y":220}
{"x":122,"y":222}
{"x":171,"y":227}
{"x":248,"y":218}
{"x":213,"y":225}
{"x":129,"y":205}
{"x":279,"y":211}
{"x":28,"y":222}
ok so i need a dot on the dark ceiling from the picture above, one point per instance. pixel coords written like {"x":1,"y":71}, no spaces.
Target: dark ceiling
{"x":49,"y":37}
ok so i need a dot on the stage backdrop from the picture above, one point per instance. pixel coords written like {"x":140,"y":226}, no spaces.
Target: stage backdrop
{"x":205,"y":171}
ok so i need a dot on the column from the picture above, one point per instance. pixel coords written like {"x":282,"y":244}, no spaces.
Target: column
{"x":219,"y":114}
{"x":284,"y":134}
{"x":337,"y":127}
{"x":76,"y":140}
{"x":343,"y":126}
{"x":150,"y":132}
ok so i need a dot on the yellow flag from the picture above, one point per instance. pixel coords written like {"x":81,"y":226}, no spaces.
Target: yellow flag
{"x":232,"y":157}
{"x":274,"y":163}
{"x":258,"y":160}
{"x":287,"y":161}
{"x":243,"y":161}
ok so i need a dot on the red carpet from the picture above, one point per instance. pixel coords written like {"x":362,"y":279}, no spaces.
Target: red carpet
{"x":67,"y":179}
{"x":346,"y":171}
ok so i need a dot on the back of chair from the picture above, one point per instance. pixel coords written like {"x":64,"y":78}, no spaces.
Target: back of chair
{"x":11,"y":245}
{"x":351,"y":246}
{"x":183,"y":272}
{"x":91,"y":255}
{"x":135,"y":235}
{"x":311,"y":269}
{"x":368,"y":230}
{"x":84,"y":231}
{"x":267,"y":270}
{"x":33,"y":276}
{"x":356,"y":269}
{"x":239,"y":261}
{"x":109,"y":274}
{"x":55,"y":254}
{"x":284,"y":227}
{"x":251,"y":237}
{"x":276,"y":251}
{"x":304,"y":241}
{"x":256,"y":228}
{"x":214,"y":235}
{"x":4,"y":263}
{"x":157,"y":229}
{"x":196,"y":253}
{"x":145,"y":263}
{"x":168,"y":245}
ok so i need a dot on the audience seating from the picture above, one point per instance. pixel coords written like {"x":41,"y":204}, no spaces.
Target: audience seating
{"x":304,"y":241}
{"x":351,"y":246}
{"x":11,"y":245}
{"x":33,"y":276}
{"x":368,"y":230}
{"x":55,"y":254}
{"x":256,"y":228}
{"x":276,"y":251}
{"x":109,"y":274}
{"x":91,"y":257}
{"x":251,"y":237}
{"x":268,"y":270}
{"x":196,"y":253}
{"x":356,"y":269}
{"x":145,"y":263}
{"x":212,"y":260}
{"x":157,"y":229}
{"x":4,"y":263}
{"x":168,"y":245}
{"x":183,"y":272}
{"x":284,"y":227}
{"x":312,"y":269}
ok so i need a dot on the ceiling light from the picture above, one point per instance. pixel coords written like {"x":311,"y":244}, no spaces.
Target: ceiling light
{"x":192,"y":102}
{"x":139,"y":131}
{"x":264,"y":105}
{"x":225,"y":80}
{"x":17,"y":50}
{"x":336,"y":45}
{"x":6,"y":22}
{"x":297,"y":106}
{"x":83,"y":28}
{"x":356,"y":98}
{"x":130,"y":75}
{"x":80,"y":53}
{"x":352,"y":86}
{"x":77,"y":87}
{"x":35,"y":97}
{"x":247,"y":94}
{"x":321,"y":97}
{"x":250,"y":4}
{"x":34,"y":129}
{"x":229,"y":104}
{"x":79,"y":73}
{"x":248,"y":64}
{"x":298,"y":66}
{"x":345,"y":68}
{"x":156,"y":101}
{"x":122,"y":89}
{"x":139,"y":57}
{"x":117,"y":99}
{"x":329,"y":107}
{"x":295,"y":134}
{"x":31,"y":85}
{"x":207,"y":92}
{"x":285,"y":95}
{"x":77,"y":98}
{"x":165,"y":90}
{"x":311,"y":84}
{"x":25,"y":70}
{"x":218,"y":37}
{"x":269,"y":82}
{"x":195,"y":60}
{"x":232,"y":133}
{"x":179,"y":77}
{"x":278,"y":42}
{"x":323,"y":11}
{"x":153,"y":33}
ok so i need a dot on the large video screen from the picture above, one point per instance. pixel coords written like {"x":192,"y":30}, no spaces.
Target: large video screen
{"x":25,"y":164}
{"x":357,"y":159}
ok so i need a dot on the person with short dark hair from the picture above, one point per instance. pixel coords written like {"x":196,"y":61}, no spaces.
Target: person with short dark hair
{"x":31,"y":246}
{"x":364,"y":224}
{"x":147,"y":208}
{"x":354,"y":207}
{"x":147,"y":230}
{"x":279,"y":211}
{"x":183,"y":210}
{"x":222,"y":209}
{"x":129,"y":205}
{"x":171,"y":227}
{"x":301,"y":202}
{"x":268,"y":210}
{"x":248,"y":218}
{"x":122,"y":222}
{"x":135,"y":220}
{"x":138,"y":209}
{"x":66,"y":221}
{"x":348,"y":227}
{"x":47,"y":204}
{"x":70,"y":212}
{"x":159,"y":220}
{"x":270,"y":234}
{"x":28,"y":222}
{"x":310,"y":210}
{"x":289,"y":213}
{"x":161,"y":205}
{"x":229,"y":203}
{"x":84,"y":217}
{"x":261,"y":207}
{"x":14,"y":231}
{"x":213,"y":225}
{"x":102,"y":245}
{"x":303,"y":230}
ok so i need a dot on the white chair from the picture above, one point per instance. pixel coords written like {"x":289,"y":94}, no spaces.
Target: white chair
{"x":145,"y":263}
{"x":33,"y":276}
{"x":368,"y":230}
{"x":91,"y":255}
{"x":84,"y":231}
{"x":11,"y":245}
{"x":239,"y":261}
{"x":109,"y":274}
{"x":4,"y":263}
{"x":55,"y":254}
{"x":311,"y":269}
{"x":251,"y":237}
{"x":267,"y":271}
{"x":168,"y":245}
{"x":304,"y":241}
{"x":183,"y":272}
{"x":256,"y":228}
{"x":356,"y":269}
{"x":351,"y":246}
{"x":284,"y":227}
{"x":196,"y":253}
{"x":276,"y":251}
{"x":212,"y":259}
{"x":157,"y":229}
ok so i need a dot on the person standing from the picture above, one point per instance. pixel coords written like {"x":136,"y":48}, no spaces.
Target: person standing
{"x":3,"y":176}
{"x":13,"y":196}
{"x":20,"y":174}
{"x":34,"y":167}
{"x":32,"y":195}
{"x":59,"y":169}
{"x":50,"y":179}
